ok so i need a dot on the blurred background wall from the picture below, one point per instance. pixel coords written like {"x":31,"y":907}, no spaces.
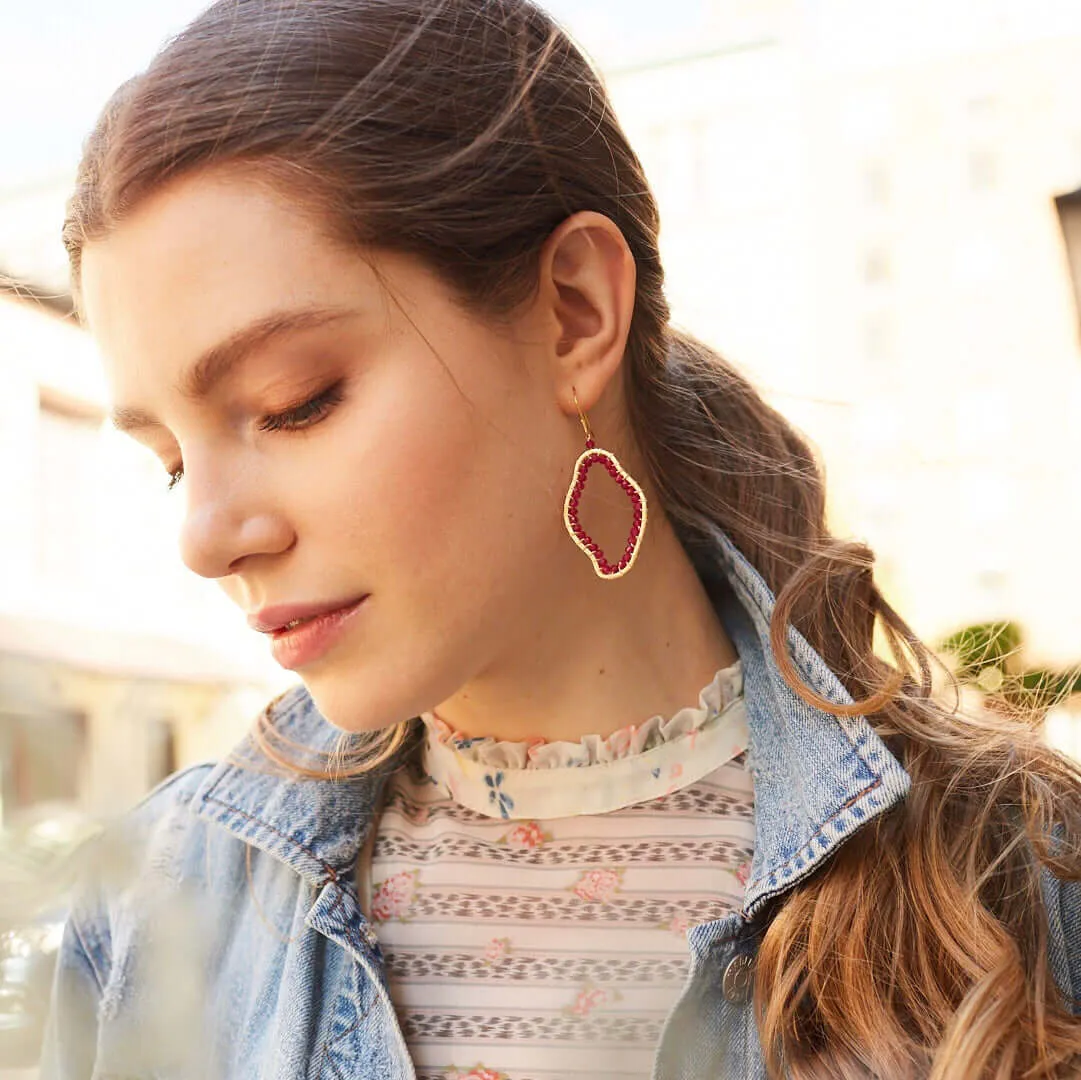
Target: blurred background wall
{"x":858,"y":208}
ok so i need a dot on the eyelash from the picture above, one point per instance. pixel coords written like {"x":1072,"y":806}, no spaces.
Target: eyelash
{"x":305,"y":415}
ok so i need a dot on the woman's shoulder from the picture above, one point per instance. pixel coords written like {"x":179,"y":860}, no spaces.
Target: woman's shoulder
{"x":155,"y":843}
{"x":163,"y":839}
{"x":172,"y":795}
{"x":149,"y":903}
{"x":161,"y":824}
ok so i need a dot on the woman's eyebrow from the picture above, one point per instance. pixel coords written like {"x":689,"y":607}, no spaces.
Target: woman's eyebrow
{"x":220,"y":360}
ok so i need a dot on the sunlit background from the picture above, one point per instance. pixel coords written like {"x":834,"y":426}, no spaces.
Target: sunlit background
{"x":859,"y":208}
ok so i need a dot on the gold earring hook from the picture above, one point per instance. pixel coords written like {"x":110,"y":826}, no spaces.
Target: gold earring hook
{"x":581,"y":416}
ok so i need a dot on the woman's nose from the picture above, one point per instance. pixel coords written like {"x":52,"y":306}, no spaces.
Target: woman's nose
{"x":225,"y":522}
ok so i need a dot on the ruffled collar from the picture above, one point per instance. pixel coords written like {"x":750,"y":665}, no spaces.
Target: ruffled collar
{"x":596,"y":774}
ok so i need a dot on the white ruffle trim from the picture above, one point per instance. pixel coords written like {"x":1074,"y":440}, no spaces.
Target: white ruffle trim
{"x":627,"y":742}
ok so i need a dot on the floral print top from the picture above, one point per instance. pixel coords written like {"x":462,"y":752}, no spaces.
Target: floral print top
{"x":532,"y":900}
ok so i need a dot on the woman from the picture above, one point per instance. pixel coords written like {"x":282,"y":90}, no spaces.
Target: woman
{"x":584,"y":777}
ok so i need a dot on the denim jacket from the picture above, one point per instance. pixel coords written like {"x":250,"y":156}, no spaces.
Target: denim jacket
{"x":223,"y":938}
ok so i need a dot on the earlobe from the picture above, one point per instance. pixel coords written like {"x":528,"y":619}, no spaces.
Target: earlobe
{"x":589,"y":277}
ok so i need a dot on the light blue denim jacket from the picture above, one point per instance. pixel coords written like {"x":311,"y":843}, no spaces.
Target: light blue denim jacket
{"x":224,"y":938}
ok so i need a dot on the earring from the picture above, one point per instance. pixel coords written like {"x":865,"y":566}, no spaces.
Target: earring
{"x":594,"y":455}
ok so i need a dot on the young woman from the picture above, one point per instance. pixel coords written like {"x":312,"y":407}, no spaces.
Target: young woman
{"x":593,"y":771}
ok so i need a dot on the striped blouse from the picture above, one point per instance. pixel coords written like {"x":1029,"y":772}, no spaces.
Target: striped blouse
{"x":532,"y":900}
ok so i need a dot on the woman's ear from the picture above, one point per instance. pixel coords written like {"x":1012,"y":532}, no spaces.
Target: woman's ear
{"x":587,"y":281}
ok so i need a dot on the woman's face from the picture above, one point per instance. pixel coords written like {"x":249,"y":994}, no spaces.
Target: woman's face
{"x":329,"y":454}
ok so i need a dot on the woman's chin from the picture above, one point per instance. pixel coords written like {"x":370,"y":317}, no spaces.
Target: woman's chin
{"x":344,"y":708}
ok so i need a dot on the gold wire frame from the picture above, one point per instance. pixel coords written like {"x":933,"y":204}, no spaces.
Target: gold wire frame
{"x":591,"y":453}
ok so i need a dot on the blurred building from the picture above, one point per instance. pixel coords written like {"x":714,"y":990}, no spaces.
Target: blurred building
{"x":857,"y":208}
{"x":116,"y":665}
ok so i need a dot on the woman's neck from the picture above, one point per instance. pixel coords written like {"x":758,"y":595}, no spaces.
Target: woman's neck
{"x":597,"y":655}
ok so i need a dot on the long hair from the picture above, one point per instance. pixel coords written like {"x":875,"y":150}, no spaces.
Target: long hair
{"x":463,"y":132}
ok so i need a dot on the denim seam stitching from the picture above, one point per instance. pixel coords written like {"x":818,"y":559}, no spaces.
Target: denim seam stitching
{"x":362,"y":1014}
{"x":820,"y":831}
{"x":332,"y":874}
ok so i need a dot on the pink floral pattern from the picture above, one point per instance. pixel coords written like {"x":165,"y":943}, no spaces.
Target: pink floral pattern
{"x":496,"y":949}
{"x":391,"y":898}
{"x":620,"y":742}
{"x":598,"y":884}
{"x":478,"y":1072}
{"x":679,"y":924}
{"x":590,"y":997}
{"x":528,"y":834}
{"x":743,"y":872}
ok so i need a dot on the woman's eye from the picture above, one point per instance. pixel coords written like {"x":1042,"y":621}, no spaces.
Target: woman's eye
{"x":300,"y":416}
{"x":306,"y":414}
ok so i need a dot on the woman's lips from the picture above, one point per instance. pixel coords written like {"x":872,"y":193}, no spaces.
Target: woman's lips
{"x":295,"y":646}
{"x":278,"y":616}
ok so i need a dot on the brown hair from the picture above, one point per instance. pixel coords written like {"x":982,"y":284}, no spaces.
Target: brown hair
{"x":463,"y":132}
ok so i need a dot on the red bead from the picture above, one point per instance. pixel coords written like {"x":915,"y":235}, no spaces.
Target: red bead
{"x":600,"y":560}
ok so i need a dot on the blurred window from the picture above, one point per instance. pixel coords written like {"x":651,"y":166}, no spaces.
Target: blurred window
{"x":68,"y":478}
{"x":41,"y":759}
{"x":161,"y":747}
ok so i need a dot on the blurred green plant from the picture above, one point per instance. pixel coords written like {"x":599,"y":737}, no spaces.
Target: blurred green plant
{"x":988,"y":656}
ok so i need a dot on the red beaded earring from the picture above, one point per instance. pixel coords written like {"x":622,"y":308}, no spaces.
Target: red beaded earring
{"x":594,"y":455}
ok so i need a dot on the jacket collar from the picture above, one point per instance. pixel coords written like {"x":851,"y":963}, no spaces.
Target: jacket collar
{"x":817,"y":777}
